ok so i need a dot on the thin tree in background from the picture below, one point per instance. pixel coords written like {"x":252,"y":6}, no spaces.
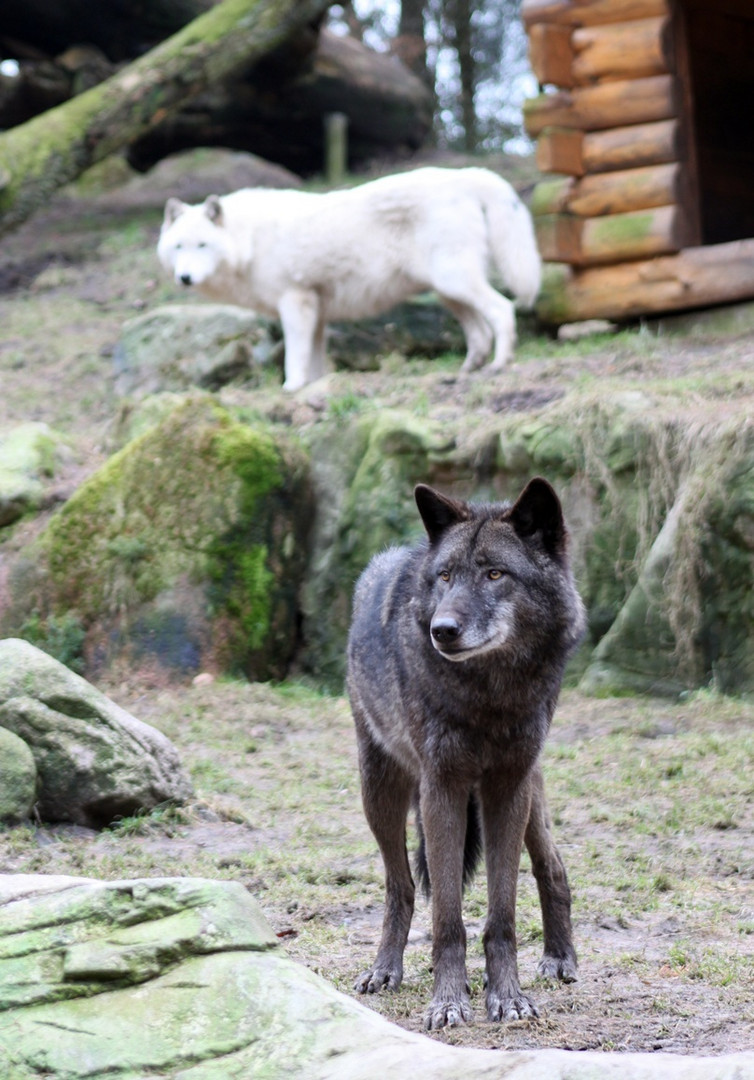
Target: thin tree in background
{"x":458,"y":14}
{"x":468,"y":51}
{"x":410,"y":45}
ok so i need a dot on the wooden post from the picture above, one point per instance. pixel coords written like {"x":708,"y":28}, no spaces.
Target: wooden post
{"x":336,"y":147}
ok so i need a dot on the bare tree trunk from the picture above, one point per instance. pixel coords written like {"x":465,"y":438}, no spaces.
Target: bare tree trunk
{"x":38,"y":157}
{"x":410,"y":46}
{"x":462,"y":11}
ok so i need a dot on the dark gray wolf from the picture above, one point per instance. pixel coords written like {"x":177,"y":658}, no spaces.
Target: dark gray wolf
{"x":310,"y":258}
{"x":455,"y":660}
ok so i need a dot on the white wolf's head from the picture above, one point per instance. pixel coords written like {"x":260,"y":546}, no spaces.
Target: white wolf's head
{"x":194,"y":242}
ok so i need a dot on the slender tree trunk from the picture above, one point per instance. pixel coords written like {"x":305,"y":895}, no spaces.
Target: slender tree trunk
{"x":462,"y":11}
{"x":40,"y":156}
{"x":410,"y":46}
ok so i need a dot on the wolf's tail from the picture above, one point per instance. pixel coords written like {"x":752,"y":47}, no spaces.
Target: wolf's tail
{"x":472,"y":848}
{"x":512,"y":241}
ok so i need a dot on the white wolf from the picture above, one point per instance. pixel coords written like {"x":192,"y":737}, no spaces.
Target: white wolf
{"x":311,"y":258}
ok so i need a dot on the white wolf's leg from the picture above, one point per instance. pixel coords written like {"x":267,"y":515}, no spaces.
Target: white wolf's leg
{"x":467,"y":285}
{"x":502,"y":314}
{"x":477,"y":331}
{"x":299,"y":314}
{"x":319,"y":365}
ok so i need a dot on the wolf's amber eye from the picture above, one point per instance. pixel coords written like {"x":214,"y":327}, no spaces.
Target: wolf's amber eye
{"x":445,"y":575}
{"x":495,"y":575}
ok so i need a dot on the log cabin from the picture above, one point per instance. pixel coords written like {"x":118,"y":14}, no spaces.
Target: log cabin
{"x":645,"y":120}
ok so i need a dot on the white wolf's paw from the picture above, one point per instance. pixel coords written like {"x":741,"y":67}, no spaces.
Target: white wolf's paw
{"x":377,"y":978}
{"x":558,"y":967}
{"x":471,"y":363}
{"x":442,"y":1014}
{"x":292,"y":384}
{"x":515,"y":1007}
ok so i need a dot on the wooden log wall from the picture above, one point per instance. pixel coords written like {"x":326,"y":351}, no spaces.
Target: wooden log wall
{"x":613,"y":122}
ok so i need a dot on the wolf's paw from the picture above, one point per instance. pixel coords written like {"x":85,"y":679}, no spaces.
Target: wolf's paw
{"x":472,"y":363}
{"x":377,"y":978}
{"x":515,"y":1007}
{"x":442,"y":1013}
{"x":564,"y":968}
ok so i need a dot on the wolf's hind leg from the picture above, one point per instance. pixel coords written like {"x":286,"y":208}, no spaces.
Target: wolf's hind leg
{"x":559,"y":959}
{"x":463,"y":283}
{"x":319,"y":365}
{"x":476,"y":330}
{"x":387,"y":792}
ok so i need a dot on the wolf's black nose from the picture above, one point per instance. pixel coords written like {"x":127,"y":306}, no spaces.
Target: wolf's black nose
{"x":185,"y":279}
{"x":445,"y":630}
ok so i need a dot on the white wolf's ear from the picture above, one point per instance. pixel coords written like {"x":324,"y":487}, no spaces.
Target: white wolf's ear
{"x":173,"y":209}
{"x":438,"y":512}
{"x":213,"y":209}
{"x":538,"y":511}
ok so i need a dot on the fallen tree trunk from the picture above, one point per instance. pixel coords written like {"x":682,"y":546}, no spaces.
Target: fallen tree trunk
{"x":278,"y":114}
{"x":40,"y":156}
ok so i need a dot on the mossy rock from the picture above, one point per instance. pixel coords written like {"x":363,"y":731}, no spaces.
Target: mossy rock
{"x":29,"y":455}
{"x":663,"y":616}
{"x":184,"y":551}
{"x":365,"y":471}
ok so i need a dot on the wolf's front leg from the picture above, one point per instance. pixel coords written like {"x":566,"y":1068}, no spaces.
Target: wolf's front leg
{"x":444,"y":815}
{"x":299,"y":313}
{"x":505,"y":808}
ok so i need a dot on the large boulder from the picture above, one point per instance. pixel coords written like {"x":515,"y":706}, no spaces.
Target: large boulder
{"x":182,"y":978}
{"x":180,"y":346}
{"x":91,"y":761}
{"x":184,"y":552}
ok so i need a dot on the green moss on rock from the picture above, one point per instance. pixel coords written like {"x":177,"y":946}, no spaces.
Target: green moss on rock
{"x":188,"y":546}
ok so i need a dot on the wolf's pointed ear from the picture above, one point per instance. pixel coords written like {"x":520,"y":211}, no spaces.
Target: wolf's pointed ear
{"x":173,"y":209}
{"x":438,"y":512}
{"x":213,"y":209}
{"x":538,"y":511}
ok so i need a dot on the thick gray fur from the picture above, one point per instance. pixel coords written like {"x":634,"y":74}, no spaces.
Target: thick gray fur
{"x":455,"y":660}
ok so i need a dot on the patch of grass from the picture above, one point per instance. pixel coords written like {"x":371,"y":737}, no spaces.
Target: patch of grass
{"x":662,"y":913}
{"x":164,"y":817}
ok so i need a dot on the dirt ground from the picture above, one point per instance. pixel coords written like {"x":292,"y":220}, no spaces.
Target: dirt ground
{"x":653,"y":802}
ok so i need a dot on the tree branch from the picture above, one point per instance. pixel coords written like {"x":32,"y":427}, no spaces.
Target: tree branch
{"x":54,"y":148}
